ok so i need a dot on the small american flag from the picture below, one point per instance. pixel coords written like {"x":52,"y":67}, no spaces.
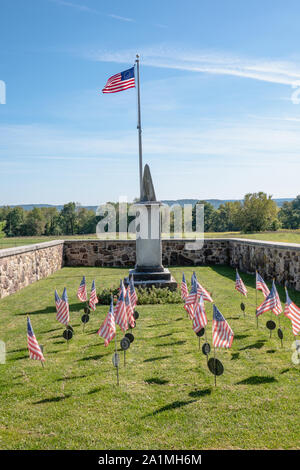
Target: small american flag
{"x":200,"y":318}
{"x":129,"y":310}
{"x":132,"y":291}
{"x":81,"y":292}
{"x":261,"y":285}
{"x":239,"y":285}
{"x":191,"y":300}
{"x":120,"y":312}
{"x":271,"y":302}
{"x":203,"y":291}
{"x":62,"y":308}
{"x":184,"y":289}
{"x":35,"y":351}
{"x":93,"y":297}
{"x":293,"y":313}
{"x":222,"y":333}
{"x":108,"y":328}
{"x":119,"y":82}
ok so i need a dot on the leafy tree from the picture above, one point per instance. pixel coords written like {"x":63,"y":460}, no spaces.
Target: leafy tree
{"x":289,"y":214}
{"x":52,"y":219}
{"x":2,"y":226}
{"x":226,"y":217}
{"x":15,"y":219}
{"x":258,"y":213}
{"x":68,"y":218}
{"x":35,"y":223}
{"x":209,"y":212}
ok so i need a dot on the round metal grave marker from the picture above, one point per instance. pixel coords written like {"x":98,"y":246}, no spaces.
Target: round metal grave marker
{"x":280,"y":333}
{"x":200,"y":332}
{"x":125,"y":343}
{"x":271,"y":325}
{"x":130,"y":337}
{"x":243,"y":306}
{"x":86,"y":310}
{"x":215,"y":366}
{"x":116,"y":359}
{"x":67,"y":334}
{"x":136,"y":315}
{"x":85,"y":318}
{"x":206,"y":349}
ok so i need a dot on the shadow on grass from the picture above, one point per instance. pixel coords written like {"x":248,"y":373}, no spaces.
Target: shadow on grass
{"x":284,"y":371}
{"x":200,"y":393}
{"x":240,"y":336}
{"x":257,"y":380}
{"x":164,"y":336}
{"x":51,"y":400}
{"x":271,"y":351}
{"x":235,"y":356}
{"x":62,"y":379}
{"x":258,"y":345}
{"x":157,"y":324}
{"x":172,"y":406}
{"x":175,"y":343}
{"x":156,"y":381}
{"x":17,"y":350}
{"x":94,"y":390}
{"x":51,"y":309}
{"x":92,"y":358}
{"x":152,"y":359}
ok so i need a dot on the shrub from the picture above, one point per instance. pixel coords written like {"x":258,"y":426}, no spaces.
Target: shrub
{"x":151,"y":295}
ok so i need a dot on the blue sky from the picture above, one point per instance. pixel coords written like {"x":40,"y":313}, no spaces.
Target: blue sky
{"x":219,"y":90}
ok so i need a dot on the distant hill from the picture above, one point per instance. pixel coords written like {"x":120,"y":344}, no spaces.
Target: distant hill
{"x":215,"y":202}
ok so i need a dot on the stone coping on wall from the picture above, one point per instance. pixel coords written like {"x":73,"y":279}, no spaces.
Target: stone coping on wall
{"x":18,"y":250}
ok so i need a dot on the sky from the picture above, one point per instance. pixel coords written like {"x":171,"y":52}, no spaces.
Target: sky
{"x":220,"y":99}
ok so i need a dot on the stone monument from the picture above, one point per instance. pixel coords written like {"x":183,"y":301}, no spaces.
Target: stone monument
{"x":149,"y":270}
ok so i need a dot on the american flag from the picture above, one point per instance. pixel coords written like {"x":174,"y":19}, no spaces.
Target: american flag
{"x":239,"y":285}
{"x":93,"y":297}
{"x":293,"y":313}
{"x":129,"y":310}
{"x":120,"y":312}
{"x":191,"y":300}
{"x":108,"y":328}
{"x":200,"y":319}
{"x":35,"y":351}
{"x":271,"y":302}
{"x":184,"y":289}
{"x":119,"y":82}
{"x":62,"y":308}
{"x":201,"y":289}
{"x":81,"y":292}
{"x":261,"y":285}
{"x":133,"y":295}
{"x":222,"y":333}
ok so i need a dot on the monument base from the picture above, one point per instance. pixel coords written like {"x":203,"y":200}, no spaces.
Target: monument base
{"x":148,"y":277}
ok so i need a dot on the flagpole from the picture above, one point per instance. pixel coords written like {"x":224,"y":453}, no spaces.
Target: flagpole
{"x":139,"y":126}
{"x":256,"y":298}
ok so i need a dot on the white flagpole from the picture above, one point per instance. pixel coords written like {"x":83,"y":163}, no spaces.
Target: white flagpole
{"x":139,"y":127}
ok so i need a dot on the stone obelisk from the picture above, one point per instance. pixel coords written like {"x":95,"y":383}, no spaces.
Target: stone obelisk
{"x":149,"y":270}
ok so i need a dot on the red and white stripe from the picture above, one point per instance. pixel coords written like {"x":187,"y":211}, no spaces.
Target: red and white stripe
{"x":115,"y":84}
{"x":93,"y":297}
{"x":120,"y":313}
{"x":292,"y":311}
{"x":107,"y":330}
{"x":203,"y":291}
{"x":34,"y":349}
{"x":200,"y":318}
{"x":221,"y":331}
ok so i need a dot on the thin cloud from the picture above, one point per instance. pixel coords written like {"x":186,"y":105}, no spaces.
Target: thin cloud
{"x":87,"y":9}
{"x":272,"y":71}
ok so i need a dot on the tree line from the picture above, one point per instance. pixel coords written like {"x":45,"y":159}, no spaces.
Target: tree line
{"x":257,"y":212}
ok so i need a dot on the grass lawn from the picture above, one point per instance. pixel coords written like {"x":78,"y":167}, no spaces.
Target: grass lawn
{"x":166,"y":398}
{"x":288,"y":236}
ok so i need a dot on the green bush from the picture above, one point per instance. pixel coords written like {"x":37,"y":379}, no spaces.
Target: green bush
{"x":152,"y":295}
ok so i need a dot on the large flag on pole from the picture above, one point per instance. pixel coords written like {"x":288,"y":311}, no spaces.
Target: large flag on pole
{"x":293,"y":313}
{"x":120,"y":81}
{"x":93,"y":297}
{"x":81,"y":292}
{"x":62,"y":308}
{"x":108,"y":328}
{"x":261,"y":285}
{"x":239,"y":285}
{"x":200,"y":319}
{"x":271,"y":302}
{"x":222,"y":333}
{"x":35,"y":351}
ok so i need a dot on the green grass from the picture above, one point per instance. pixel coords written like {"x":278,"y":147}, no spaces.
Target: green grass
{"x":288,"y":236}
{"x":166,"y":398}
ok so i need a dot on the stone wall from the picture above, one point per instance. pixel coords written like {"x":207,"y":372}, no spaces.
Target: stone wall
{"x":24,"y":265}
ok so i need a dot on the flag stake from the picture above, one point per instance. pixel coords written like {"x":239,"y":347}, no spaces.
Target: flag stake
{"x":256,"y":300}
{"x":116,"y":352}
{"x":215,"y":366}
